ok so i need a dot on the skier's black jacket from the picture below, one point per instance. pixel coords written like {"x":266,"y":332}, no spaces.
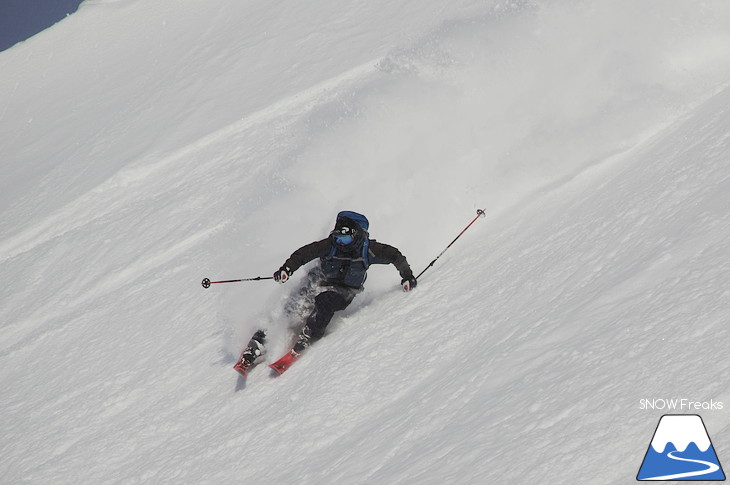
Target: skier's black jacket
{"x":346,"y":266}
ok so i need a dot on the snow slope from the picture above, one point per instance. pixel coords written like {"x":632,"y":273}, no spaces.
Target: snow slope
{"x":146,"y":146}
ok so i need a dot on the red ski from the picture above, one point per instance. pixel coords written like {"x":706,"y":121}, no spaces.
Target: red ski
{"x":281,"y":365}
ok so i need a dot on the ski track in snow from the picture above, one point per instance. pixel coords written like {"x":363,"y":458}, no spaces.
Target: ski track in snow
{"x":85,"y":209}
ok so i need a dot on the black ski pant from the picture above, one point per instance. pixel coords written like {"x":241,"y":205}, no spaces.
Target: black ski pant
{"x":328,"y":302}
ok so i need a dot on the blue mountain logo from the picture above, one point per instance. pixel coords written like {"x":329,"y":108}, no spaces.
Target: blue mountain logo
{"x":681,"y":450}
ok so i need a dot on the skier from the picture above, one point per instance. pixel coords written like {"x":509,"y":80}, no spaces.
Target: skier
{"x":345,"y":256}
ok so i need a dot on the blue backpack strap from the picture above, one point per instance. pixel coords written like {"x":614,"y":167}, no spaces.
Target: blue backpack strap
{"x":366,"y":252}
{"x":331,"y":254}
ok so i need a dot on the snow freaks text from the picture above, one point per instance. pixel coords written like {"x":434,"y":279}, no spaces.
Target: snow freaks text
{"x":678,"y":404}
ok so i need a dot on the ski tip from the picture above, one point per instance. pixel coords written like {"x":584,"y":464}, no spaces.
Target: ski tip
{"x":279,"y":369}
{"x":241,"y":370}
{"x":281,"y":365}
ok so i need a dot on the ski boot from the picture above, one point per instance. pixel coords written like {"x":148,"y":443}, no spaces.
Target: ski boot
{"x":303,"y":341}
{"x":251,"y":353}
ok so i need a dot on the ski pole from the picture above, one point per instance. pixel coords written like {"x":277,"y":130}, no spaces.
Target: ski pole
{"x":480,"y":213}
{"x":206,"y":282}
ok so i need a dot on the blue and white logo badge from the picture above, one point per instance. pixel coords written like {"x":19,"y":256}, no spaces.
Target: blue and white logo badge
{"x":681,"y":450}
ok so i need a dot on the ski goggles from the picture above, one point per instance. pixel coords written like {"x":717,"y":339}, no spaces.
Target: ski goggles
{"x":344,"y":236}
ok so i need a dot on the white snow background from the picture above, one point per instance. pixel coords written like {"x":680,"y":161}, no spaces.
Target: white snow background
{"x":148,"y":144}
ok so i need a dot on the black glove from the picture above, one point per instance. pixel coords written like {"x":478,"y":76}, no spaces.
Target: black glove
{"x":409,"y":283}
{"x":282,"y":274}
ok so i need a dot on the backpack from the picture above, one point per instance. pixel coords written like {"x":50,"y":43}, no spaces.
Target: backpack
{"x":350,"y":271}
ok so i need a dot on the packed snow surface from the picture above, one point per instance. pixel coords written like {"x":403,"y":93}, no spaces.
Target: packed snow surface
{"x":146,"y":145}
